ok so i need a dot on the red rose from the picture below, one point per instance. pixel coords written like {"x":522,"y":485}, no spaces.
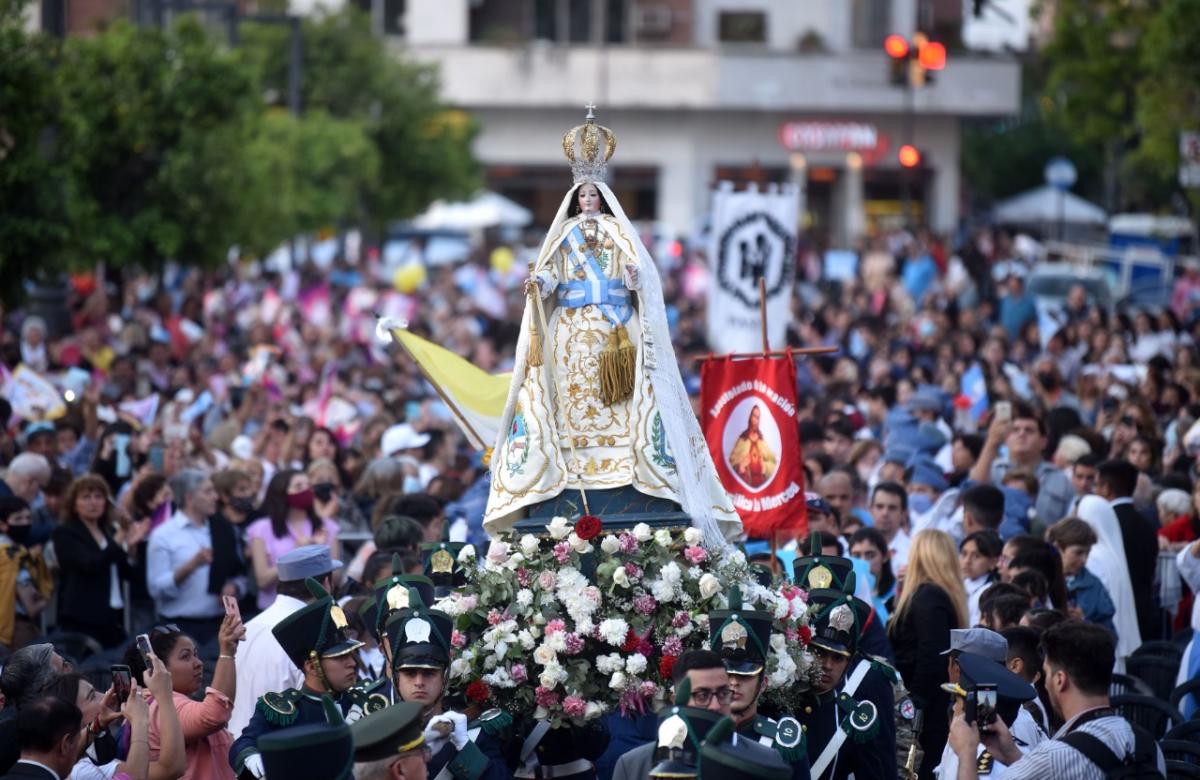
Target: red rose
{"x":666,"y":665}
{"x":632,"y":641}
{"x":805,"y":635}
{"x":478,"y":692}
{"x":588,"y":527}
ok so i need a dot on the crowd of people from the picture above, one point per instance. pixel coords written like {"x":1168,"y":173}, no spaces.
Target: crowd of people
{"x":227,"y":439}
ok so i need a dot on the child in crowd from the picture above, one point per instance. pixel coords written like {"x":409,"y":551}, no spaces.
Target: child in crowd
{"x":978,"y":556}
{"x":1088,"y":600}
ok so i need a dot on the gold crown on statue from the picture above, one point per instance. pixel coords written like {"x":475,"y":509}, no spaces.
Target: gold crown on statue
{"x":581,"y":145}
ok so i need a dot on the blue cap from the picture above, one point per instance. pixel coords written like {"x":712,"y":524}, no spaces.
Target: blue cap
{"x":926,"y":472}
{"x":815,"y":501}
{"x":898,"y":454}
{"x":926,"y":399}
{"x":311,"y":560}
{"x":897,"y":418}
{"x":980,"y":641}
{"x":929,"y":438}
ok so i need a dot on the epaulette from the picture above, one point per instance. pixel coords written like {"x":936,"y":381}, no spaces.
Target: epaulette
{"x":366,"y":696}
{"x":984,"y":767}
{"x":862,"y":718}
{"x":786,"y":735}
{"x":884,"y":668}
{"x":492,"y":722}
{"x":279,"y":708}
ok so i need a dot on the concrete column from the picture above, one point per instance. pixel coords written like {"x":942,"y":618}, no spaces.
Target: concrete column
{"x":839,"y":223}
{"x":941,"y":200}
{"x":904,"y":17}
{"x":855,"y":215}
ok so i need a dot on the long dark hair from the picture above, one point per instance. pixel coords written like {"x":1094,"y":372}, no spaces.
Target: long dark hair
{"x":887,"y":578}
{"x":275,"y":504}
{"x":162,"y":642}
{"x":1044,"y":559}
{"x":573,"y":210}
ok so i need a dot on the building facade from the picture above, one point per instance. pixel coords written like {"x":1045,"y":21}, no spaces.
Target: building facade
{"x":699,"y":91}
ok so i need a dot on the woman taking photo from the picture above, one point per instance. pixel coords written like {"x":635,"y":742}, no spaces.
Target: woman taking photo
{"x":931,"y":603}
{"x":291,"y":521}
{"x":206,"y":742}
{"x":93,"y":562}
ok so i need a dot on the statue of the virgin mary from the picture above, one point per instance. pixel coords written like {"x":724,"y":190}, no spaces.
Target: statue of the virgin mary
{"x":596,"y":400}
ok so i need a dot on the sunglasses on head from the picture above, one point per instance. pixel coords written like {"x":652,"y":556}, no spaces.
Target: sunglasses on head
{"x":166,"y":628}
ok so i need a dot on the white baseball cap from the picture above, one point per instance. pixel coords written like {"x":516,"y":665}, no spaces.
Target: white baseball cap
{"x":401,"y":437}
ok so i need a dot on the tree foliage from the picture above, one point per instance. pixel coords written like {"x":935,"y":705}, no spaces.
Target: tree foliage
{"x":135,"y":145}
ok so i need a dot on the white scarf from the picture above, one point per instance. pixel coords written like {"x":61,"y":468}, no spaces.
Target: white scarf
{"x":1107,"y":561}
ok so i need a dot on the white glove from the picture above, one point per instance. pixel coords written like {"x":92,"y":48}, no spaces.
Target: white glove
{"x":255,"y":765}
{"x":459,"y":723}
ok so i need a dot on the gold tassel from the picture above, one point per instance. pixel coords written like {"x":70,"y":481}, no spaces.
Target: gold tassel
{"x":535,"y":338}
{"x":618,"y":361}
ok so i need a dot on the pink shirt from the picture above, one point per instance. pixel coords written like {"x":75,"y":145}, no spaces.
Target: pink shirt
{"x":206,"y":742}
{"x":275,"y":546}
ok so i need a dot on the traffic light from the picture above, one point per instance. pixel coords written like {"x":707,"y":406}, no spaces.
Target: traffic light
{"x":898,"y":53}
{"x":909,"y":156}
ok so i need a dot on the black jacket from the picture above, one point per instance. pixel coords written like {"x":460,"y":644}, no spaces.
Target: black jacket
{"x":1140,"y":537}
{"x":919,"y":636}
{"x":84,"y":573}
{"x":28,"y":772}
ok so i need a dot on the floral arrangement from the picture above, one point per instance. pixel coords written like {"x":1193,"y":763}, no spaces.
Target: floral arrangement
{"x":572,"y":624}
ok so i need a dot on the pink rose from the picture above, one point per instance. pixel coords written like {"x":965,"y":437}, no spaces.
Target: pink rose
{"x":524,"y":577}
{"x":498,"y":552}
{"x":695,"y":555}
{"x":545,"y":697}
{"x":495,"y":617}
{"x":680,"y":620}
{"x":593,"y":594}
{"x":518,"y":673}
{"x":554,"y":626}
{"x":629,"y":544}
{"x":574,"y":706}
{"x":574,"y":644}
{"x":562,"y":552}
{"x":457,"y":639}
{"x":547,"y":580}
{"x":648,"y":689}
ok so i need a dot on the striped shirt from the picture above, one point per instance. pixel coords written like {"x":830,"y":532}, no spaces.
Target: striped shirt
{"x":1056,"y":759}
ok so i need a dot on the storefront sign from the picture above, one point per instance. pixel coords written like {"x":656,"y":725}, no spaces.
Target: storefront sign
{"x":830,"y":137}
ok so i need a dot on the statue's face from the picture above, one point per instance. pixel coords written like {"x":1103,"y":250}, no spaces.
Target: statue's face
{"x":589,"y":198}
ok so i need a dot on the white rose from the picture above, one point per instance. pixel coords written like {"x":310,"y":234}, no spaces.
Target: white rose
{"x":559,"y":528}
{"x":544,"y":655}
{"x":684,"y":632}
{"x":466,"y":554}
{"x":529,"y":544}
{"x":778,"y":642}
{"x":515,"y":561}
{"x":642,"y":532}
{"x":610,"y":544}
{"x":693,"y":536}
{"x":620,"y":577}
{"x":594,"y":710}
{"x":524,"y":597}
{"x":636,"y":664}
{"x":548,"y":679}
{"x":459,"y":668}
{"x":662,"y":537}
{"x":579,"y":545}
{"x":709,"y":586}
{"x":671,"y":573}
{"x":618,"y":681}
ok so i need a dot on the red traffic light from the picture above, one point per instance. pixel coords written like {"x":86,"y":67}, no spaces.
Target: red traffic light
{"x":896,"y":46}
{"x":932,"y":56}
{"x":909,"y":156}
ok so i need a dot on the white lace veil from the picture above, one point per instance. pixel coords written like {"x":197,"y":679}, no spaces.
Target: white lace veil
{"x":687,"y":444}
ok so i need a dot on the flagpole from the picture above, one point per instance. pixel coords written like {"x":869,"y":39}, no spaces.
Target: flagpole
{"x":797,"y":352}
{"x":762,"y":313}
{"x":441,"y":393}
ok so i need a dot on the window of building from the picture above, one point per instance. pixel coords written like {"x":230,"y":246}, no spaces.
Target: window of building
{"x":742,"y":27}
{"x":869,"y":20}
{"x":393,"y":17}
{"x":576,"y":21}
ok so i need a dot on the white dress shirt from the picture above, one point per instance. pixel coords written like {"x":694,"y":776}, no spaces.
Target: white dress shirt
{"x":262,"y":664}
{"x":173,"y":544}
{"x":898,"y":547}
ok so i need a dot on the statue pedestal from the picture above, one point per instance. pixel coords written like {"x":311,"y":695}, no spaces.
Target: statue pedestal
{"x":618,"y":508}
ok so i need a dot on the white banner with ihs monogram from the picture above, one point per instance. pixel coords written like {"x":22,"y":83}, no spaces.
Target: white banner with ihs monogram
{"x":753,"y":236}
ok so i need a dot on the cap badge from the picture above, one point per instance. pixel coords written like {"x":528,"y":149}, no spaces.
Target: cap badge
{"x":672,"y":733}
{"x":820,"y":577}
{"x":441,"y":562}
{"x":338,"y":616}
{"x":734,"y":635}
{"x":397,"y":597}
{"x":417,"y":630}
{"x":841,"y":618}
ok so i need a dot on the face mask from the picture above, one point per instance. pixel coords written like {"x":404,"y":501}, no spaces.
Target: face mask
{"x":323,"y":491}
{"x":19,"y":533}
{"x":412,"y":484}
{"x":919,"y":503}
{"x":301,"y":500}
{"x":243,"y":506}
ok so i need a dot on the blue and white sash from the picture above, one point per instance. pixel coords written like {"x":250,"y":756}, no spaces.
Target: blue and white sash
{"x":595,"y":288}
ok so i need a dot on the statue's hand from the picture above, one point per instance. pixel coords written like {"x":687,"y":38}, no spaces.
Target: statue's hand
{"x":533,"y":285}
{"x":631,"y":271}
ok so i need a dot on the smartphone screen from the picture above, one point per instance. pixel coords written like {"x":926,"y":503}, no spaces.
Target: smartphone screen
{"x":985,"y":708}
{"x":122,"y":680}
{"x":143,"y":643}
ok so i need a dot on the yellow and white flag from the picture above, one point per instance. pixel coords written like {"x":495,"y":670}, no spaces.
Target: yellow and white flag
{"x":476,"y":397}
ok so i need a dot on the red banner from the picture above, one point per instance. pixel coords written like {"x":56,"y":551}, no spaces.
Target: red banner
{"x":748,"y":408}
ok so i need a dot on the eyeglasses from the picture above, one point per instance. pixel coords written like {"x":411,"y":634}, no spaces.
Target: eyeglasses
{"x":703,"y":696}
{"x":166,"y":628}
